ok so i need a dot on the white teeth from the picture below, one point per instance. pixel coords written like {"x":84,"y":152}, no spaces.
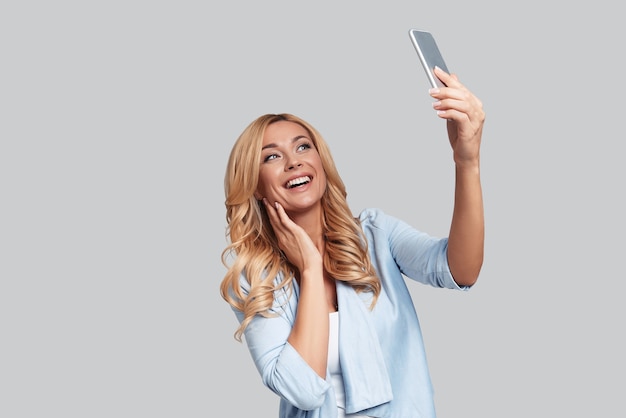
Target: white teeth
{"x":298,"y":181}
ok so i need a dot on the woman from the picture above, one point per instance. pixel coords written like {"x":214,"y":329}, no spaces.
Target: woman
{"x":320,"y":295}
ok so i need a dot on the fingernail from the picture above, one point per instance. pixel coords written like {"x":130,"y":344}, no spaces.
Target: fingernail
{"x":434,"y":90}
{"x":436,"y":104}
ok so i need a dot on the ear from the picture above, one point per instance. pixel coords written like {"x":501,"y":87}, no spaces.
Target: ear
{"x":257,"y":196}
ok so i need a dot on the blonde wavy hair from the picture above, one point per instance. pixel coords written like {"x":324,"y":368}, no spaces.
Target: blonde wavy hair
{"x":253,"y":250}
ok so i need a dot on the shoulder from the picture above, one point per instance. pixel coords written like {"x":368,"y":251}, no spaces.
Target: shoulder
{"x":376,"y":218}
{"x":377,"y":224}
{"x":371,"y":215}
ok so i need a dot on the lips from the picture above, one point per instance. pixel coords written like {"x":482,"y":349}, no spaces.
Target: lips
{"x":298,"y":181}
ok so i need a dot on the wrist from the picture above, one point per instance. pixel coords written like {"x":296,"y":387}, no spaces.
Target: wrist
{"x":471,"y":166}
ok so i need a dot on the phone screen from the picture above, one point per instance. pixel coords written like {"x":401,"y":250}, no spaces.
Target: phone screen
{"x":429,"y":55}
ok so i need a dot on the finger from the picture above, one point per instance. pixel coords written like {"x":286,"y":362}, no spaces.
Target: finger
{"x":458,"y":92}
{"x":451,"y":109}
{"x":284,"y":218}
{"x":466,"y":120}
{"x":467,"y":104}
{"x":272,"y":213}
{"x":449,"y":79}
{"x":452,"y":115}
{"x":454,"y":90}
{"x":282,"y":223}
{"x":280,"y":230}
{"x":280,"y":210}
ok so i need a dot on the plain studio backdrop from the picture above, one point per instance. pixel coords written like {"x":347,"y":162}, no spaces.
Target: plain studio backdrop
{"x":116,"y":123}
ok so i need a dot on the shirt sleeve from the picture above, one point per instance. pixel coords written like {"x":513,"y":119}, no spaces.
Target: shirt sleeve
{"x":281,"y":367}
{"x":419,"y":256}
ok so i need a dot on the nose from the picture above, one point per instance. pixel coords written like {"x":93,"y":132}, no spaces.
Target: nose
{"x":293,"y":163}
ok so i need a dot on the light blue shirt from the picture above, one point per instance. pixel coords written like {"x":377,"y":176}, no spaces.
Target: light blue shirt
{"x":381,"y":351}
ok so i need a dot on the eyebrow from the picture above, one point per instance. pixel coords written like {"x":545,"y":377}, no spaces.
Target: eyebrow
{"x":294,"y":139}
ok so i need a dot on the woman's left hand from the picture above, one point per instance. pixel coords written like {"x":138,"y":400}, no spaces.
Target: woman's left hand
{"x":464,"y":114}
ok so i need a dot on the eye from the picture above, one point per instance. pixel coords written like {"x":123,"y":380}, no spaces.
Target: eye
{"x":270,"y":157}
{"x":304,"y":146}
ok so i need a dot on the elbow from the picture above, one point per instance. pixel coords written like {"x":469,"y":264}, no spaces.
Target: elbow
{"x":309,"y":404}
{"x":466,"y":275}
{"x":303,"y":400}
{"x":466,"y":281}
{"x":293,"y":380}
{"x":305,"y":394}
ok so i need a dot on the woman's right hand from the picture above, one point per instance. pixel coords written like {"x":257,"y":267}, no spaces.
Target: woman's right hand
{"x":294,"y":242}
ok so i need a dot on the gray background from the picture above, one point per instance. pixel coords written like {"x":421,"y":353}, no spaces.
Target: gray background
{"x":116,"y":122}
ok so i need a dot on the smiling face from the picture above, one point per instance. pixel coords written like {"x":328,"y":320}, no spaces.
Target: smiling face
{"x":291,"y":170}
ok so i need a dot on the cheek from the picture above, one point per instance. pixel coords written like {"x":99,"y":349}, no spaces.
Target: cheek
{"x":264,"y":182}
{"x":322,"y":173}
{"x":324,"y":184}
{"x":261,"y":184}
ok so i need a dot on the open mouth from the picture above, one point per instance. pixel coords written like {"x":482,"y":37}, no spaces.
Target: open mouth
{"x":300,"y":181}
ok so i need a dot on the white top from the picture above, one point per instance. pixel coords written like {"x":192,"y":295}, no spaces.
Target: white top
{"x":334,"y":367}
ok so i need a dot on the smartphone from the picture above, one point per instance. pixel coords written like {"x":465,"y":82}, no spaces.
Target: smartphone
{"x":429,"y":55}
